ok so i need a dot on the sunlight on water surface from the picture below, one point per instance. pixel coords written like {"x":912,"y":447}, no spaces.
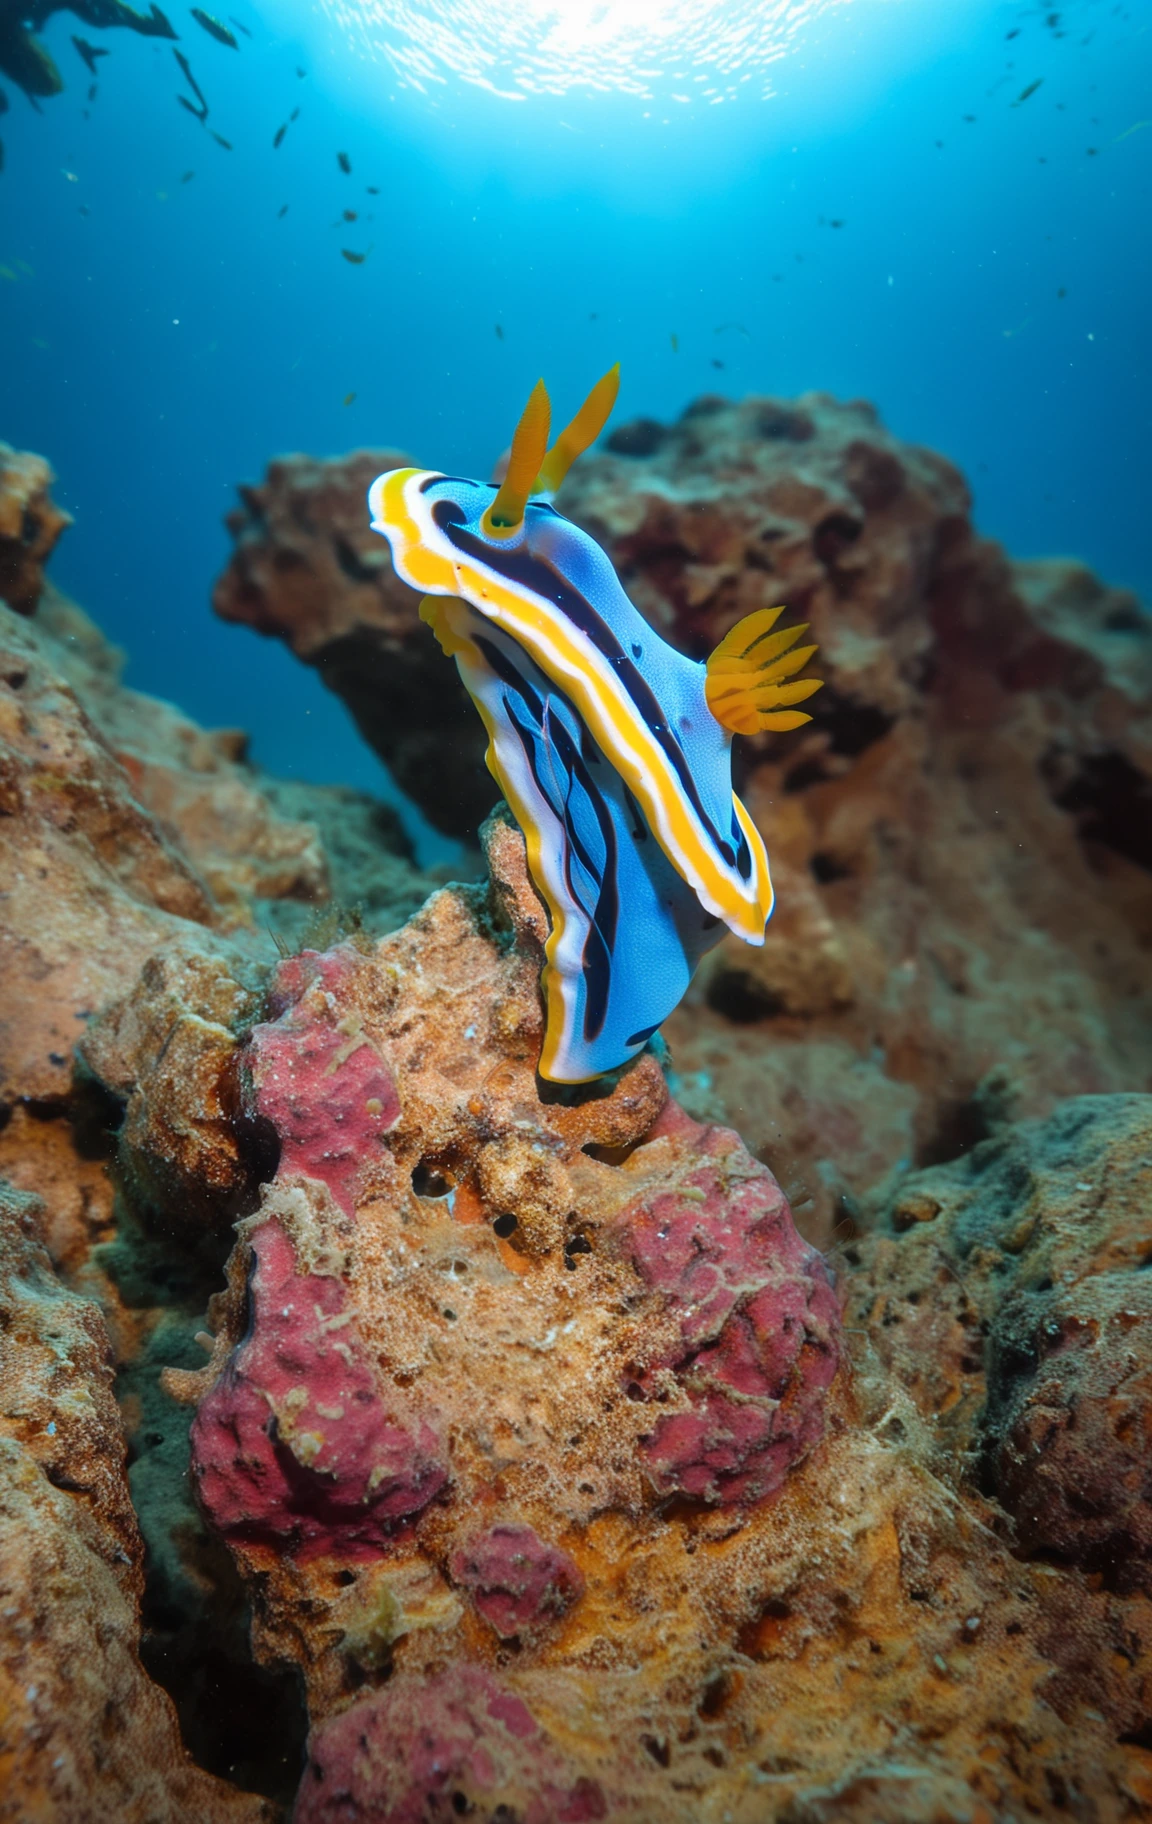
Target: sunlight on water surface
{"x":663,"y":51}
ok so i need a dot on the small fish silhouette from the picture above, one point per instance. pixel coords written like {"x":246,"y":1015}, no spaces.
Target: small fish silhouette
{"x":214,"y":28}
{"x":348,"y":398}
{"x":345,"y":163}
{"x":220,"y":140}
{"x":278,"y":140}
{"x":281,"y":213}
{"x":1030,"y":90}
{"x":186,"y":67}
{"x":354,"y":259}
{"x":499,"y":333}
{"x":240,"y":25}
{"x":90,"y":52}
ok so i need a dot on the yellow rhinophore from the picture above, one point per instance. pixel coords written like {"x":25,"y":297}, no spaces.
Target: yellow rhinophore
{"x":580,"y":434}
{"x":529,"y":446}
{"x":746,"y":687}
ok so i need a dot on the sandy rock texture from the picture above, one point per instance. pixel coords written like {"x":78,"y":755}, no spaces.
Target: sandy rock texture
{"x":959,"y":840}
{"x":131,"y":843}
{"x":521,"y":1425}
{"x":85,"y":1735}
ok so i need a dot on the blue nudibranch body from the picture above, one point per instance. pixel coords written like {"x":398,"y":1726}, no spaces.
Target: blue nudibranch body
{"x":612,"y":749}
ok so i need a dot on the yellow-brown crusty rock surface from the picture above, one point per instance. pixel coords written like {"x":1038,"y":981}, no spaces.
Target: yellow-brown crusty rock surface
{"x":84,"y":1733}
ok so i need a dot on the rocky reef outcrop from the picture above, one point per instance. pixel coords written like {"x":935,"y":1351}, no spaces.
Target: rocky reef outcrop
{"x":959,"y":839}
{"x":386,"y":1436}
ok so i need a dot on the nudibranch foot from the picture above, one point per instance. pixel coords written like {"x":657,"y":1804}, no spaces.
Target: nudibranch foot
{"x":626,"y":929}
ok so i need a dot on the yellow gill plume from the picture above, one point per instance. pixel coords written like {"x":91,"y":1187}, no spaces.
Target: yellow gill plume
{"x":580,"y":434}
{"x":529,"y":445}
{"x":746,"y":685}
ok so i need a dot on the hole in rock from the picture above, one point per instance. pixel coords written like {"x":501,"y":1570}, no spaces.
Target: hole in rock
{"x":642,"y":437}
{"x":741,"y":998}
{"x":505,"y":1225}
{"x":578,"y":1245}
{"x":659,"y":1748}
{"x":353,"y":565}
{"x":430,"y":1181}
{"x":16,"y":678}
{"x":1112,"y":803}
{"x":960,"y":1126}
{"x":613,"y":1155}
{"x":780,"y":424}
{"x":718,"y":1694}
{"x":825,"y":868}
{"x":833,"y":536}
{"x":852,"y":724}
{"x":1140,"y":1737}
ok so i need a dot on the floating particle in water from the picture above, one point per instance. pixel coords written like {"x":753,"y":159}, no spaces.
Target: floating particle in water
{"x":716,"y":363}
{"x":499,"y":333}
{"x":354,"y":259}
{"x":281,"y":213}
{"x":345,"y":163}
{"x":348,"y":398}
{"x":295,"y":115}
{"x":372,"y":189}
{"x":215,"y":28}
{"x":675,"y":341}
{"x":349,"y":215}
{"x":1014,"y":33}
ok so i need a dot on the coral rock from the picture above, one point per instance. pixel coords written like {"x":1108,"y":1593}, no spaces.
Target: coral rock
{"x":30,"y":524}
{"x":84,"y":1734}
{"x":475,"y":1749}
{"x":1039,"y":1238}
{"x":308,"y":569}
{"x":516,"y":1582}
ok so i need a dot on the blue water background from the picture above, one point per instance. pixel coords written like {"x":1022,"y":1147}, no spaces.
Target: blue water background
{"x":171,"y":339}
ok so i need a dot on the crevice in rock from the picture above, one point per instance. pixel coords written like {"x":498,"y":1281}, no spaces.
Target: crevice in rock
{"x":241,"y":1721}
{"x":1111,"y":801}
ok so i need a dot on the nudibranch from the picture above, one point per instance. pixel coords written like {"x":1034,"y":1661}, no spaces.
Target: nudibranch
{"x":612,"y":749}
